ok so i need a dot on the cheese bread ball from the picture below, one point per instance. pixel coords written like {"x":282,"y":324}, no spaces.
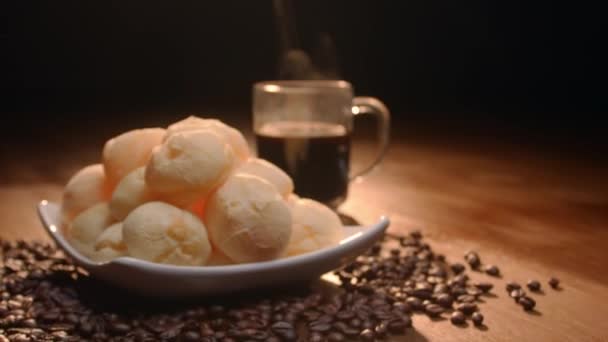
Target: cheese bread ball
{"x":85,"y":189}
{"x":269,"y":172}
{"x":162,"y":233}
{"x":231,"y":135}
{"x":88,"y":226}
{"x":315,"y":226}
{"x":128,"y":151}
{"x":109,"y":244}
{"x":248,"y":220}
{"x":188,"y":166}
{"x":129,"y":194}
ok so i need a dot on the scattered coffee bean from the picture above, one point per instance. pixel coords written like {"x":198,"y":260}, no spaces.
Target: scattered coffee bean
{"x":457,"y":318}
{"x":484,"y":287}
{"x":397,"y":326}
{"x":320,"y":327}
{"x":472,"y":258}
{"x":120,"y":328}
{"x":445,"y":300}
{"x":512,"y":286}
{"x":534,"y":285}
{"x":466,"y":299}
{"x":416,"y":234}
{"x":434,"y":310}
{"x":441,"y":288}
{"x":467,"y":308}
{"x":554,"y":282}
{"x":335,"y":337}
{"x":415,"y":303}
{"x":192,"y":336}
{"x":367,"y":335}
{"x":284,"y":330}
{"x":517,"y":294}
{"x":492,"y":270}
{"x":45,"y":297}
{"x":477,"y":318}
{"x":316,"y":337}
{"x":527,"y":303}
{"x":402,"y":307}
{"x":473,"y":291}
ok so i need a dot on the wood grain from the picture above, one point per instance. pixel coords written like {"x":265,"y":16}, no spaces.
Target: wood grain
{"x":534,"y":215}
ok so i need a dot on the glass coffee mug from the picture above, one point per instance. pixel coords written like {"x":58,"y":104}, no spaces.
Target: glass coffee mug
{"x":304,"y":127}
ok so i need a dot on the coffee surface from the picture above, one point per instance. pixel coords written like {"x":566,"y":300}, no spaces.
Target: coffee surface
{"x":315,"y":154}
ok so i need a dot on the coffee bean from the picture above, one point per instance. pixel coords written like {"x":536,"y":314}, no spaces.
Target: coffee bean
{"x":324,"y":319}
{"x":50,"y":316}
{"x":423,"y":291}
{"x":457,"y":268}
{"x":526,"y":302}
{"x":484,"y":287}
{"x":415,"y":303}
{"x":19,"y":338}
{"x":375,"y":250}
{"x":458,"y":290}
{"x":457,"y":318}
{"x":316,"y":337}
{"x":466,"y":299}
{"x":467,"y":308}
{"x":517,"y":294}
{"x":473,"y":291}
{"x":434,"y":310}
{"x":368,"y":325}
{"x":319,"y":327}
{"x":381,"y":330}
{"x":85,"y":328}
{"x":349,"y":331}
{"x":512,"y":286}
{"x":71,"y":318}
{"x":402,"y":307}
{"x":441,"y":288}
{"x":366,"y":289}
{"x":534,"y":285}
{"x":492,"y":270}
{"x":253,"y":334}
{"x":192,"y":336}
{"x":38,"y":295}
{"x":335,"y":337}
{"x":345,"y":315}
{"x":355,"y":323}
{"x":554,"y":282}
{"x":13,"y":304}
{"x":444,"y":300}
{"x":207,"y":331}
{"x":284,"y":330}
{"x":367,"y":335}
{"x":397,"y":326}
{"x":472,"y":258}
{"x":477,"y":318}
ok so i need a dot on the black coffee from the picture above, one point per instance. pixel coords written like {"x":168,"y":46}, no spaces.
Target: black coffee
{"x":315,"y":154}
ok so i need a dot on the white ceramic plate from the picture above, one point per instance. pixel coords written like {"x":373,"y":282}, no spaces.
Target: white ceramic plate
{"x":149,"y":278}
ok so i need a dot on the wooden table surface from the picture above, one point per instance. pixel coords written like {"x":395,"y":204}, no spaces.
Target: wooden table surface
{"x":534,"y":215}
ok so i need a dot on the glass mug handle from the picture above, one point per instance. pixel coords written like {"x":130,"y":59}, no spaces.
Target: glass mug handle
{"x":371,"y":105}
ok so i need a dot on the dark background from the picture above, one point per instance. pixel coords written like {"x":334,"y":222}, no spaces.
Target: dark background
{"x":526,"y":72}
